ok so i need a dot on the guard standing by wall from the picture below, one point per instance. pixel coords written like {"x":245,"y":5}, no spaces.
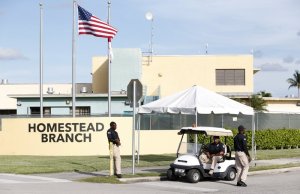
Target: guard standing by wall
{"x":112,"y":136}
{"x":242,"y":156}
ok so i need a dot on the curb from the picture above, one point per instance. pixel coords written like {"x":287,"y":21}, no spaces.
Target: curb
{"x":143,"y":179}
{"x":273,"y":171}
{"x":162,"y":178}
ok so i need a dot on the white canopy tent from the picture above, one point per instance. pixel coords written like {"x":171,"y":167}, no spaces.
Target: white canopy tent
{"x":198,"y":100}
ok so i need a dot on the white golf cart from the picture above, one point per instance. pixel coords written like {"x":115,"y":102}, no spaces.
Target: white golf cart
{"x":188,"y":163}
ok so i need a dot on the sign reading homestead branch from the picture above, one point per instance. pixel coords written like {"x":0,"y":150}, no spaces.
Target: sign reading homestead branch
{"x":61,"y":136}
{"x":65,"y":132}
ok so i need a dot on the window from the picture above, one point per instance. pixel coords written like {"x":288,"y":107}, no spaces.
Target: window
{"x":81,"y":110}
{"x":230,"y":76}
{"x":8,"y":112}
{"x":36,"y":110}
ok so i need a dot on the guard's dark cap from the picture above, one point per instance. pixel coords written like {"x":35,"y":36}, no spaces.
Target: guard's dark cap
{"x":216,"y":137}
{"x":241,"y":128}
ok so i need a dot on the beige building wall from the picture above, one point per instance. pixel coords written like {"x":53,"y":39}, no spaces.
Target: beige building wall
{"x":282,"y":105}
{"x":166,"y":75}
{"x":11,"y":89}
{"x":100,"y":77}
{"x":17,"y":139}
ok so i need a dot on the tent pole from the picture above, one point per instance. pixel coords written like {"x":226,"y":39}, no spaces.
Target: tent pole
{"x":196,"y":122}
{"x":196,"y":136}
{"x":139,"y":136}
{"x":150,"y":122}
{"x":253,"y":138}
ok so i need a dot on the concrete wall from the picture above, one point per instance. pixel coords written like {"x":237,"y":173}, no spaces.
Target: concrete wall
{"x":98,"y":105}
{"x":12,"y":89}
{"x":17,"y":138}
{"x":282,"y":105}
{"x":125,"y":65}
{"x":166,"y":75}
{"x":100,"y":76}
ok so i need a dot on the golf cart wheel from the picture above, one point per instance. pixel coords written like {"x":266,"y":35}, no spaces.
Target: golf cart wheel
{"x":170,"y":175}
{"x":231,"y":174}
{"x":193,"y":175}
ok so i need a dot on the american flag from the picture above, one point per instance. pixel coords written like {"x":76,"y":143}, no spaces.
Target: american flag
{"x":89,"y":24}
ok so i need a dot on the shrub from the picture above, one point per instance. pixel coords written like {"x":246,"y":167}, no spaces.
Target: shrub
{"x":267,"y":138}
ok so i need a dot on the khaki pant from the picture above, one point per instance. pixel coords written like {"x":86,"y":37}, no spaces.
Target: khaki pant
{"x":242,"y":166}
{"x":204,"y":159}
{"x":214,"y":161}
{"x":117,"y":159}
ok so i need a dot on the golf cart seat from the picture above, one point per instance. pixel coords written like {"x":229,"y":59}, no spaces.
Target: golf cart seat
{"x":227,"y":154}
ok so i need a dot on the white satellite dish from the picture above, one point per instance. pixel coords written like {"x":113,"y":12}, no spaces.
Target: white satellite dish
{"x":149,"y":16}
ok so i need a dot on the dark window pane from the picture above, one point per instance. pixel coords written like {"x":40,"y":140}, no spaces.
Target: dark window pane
{"x":82,"y":110}
{"x":36,"y":110}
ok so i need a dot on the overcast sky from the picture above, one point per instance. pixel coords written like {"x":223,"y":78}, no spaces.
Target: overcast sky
{"x":269,"y":28}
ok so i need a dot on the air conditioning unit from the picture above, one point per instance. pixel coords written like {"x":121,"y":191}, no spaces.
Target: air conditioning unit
{"x":83,"y":90}
{"x":50,"y":90}
{"x":298,"y":104}
{"x":4,"y":81}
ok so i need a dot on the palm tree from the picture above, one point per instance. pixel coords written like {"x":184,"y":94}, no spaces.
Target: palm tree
{"x":295,"y":81}
{"x":255,"y":101}
{"x":264,"y":94}
{"x":258,"y":103}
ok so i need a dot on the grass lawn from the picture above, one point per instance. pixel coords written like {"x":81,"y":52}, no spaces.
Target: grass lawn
{"x":50,"y":164}
{"x":273,"y":154}
{"x":102,"y":179}
{"x":257,"y":168}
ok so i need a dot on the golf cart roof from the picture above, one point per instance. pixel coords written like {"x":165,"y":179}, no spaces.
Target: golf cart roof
{"x":209,"y":131}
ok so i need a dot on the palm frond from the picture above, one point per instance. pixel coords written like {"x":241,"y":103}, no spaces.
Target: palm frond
{"x":295,"y":81}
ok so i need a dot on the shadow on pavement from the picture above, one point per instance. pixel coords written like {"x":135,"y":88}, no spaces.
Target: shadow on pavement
{"x":89,"y":173}
{"x":158,"y":170}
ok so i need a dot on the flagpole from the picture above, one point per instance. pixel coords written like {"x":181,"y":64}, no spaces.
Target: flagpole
{"x":109,"y":63}
{"x":73,"y":62}
{"x":41,"y":61}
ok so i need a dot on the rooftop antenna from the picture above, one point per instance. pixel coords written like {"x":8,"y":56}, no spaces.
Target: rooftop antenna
{"x":149,"y":17}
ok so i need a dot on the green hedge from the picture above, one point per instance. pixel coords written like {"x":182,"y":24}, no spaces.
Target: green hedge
{"x":265,"y":139}
{"x":277,"y":139}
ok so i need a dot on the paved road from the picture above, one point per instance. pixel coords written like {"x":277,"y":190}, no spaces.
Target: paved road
{"x":15,"y":179}
{"x":267,"y":184}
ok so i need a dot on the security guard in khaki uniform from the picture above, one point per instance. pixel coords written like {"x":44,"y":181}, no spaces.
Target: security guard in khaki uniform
{"x":242,"y":156}
{"x":113,"y":137}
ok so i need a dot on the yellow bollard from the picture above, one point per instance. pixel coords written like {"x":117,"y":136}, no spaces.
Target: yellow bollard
{"x":111,"y":159}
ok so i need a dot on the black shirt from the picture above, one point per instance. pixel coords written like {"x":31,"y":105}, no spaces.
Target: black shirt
{"x":216,"y":148}
{"x":240,"y":143}
{"x":112,"y":136}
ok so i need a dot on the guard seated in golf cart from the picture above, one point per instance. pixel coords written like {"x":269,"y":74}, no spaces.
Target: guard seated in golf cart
{"x":193,"y":159}
{"x":213,"y":153}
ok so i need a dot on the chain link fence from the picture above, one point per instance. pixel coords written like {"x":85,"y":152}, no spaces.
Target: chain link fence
{"x":262,"y":121}
{"x":176,"y":121}
{"x":277,"y":121}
